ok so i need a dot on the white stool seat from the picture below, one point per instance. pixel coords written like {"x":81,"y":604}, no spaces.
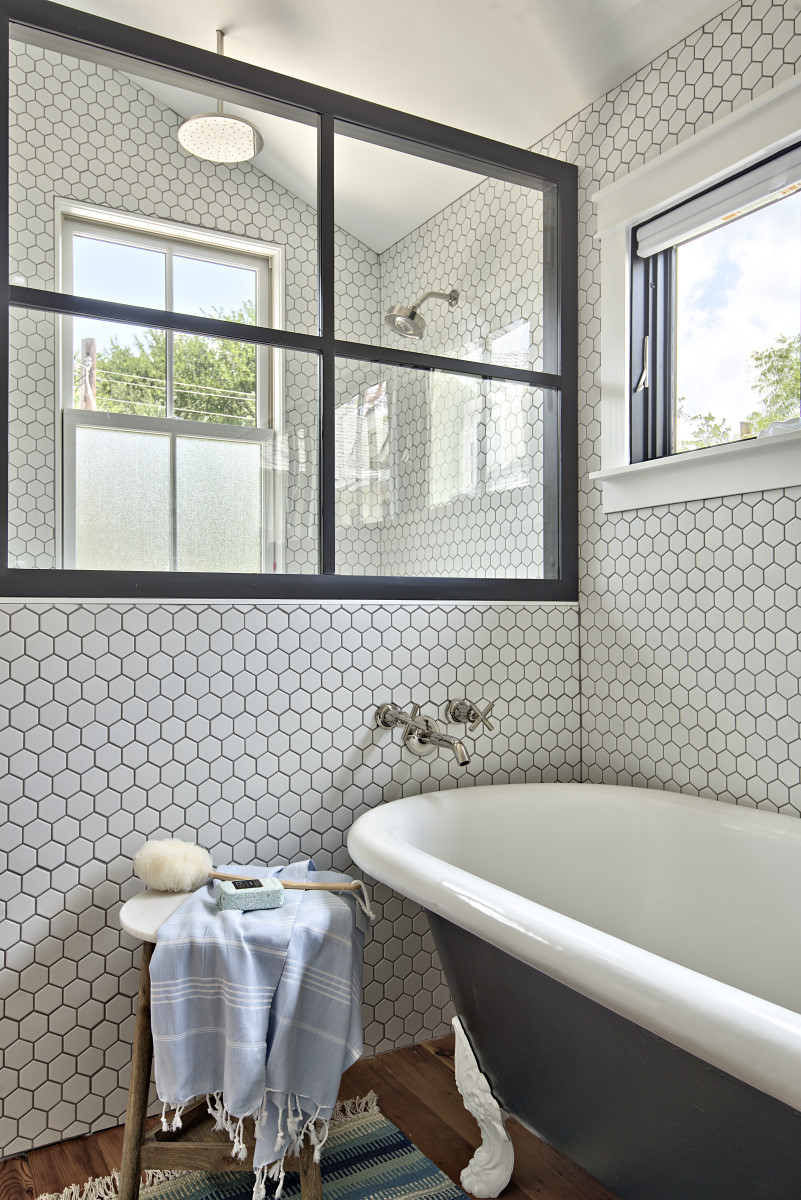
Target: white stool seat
{"x":142,"y":915}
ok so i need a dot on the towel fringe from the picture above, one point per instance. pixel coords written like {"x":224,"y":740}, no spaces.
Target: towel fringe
{"x":260,"y":1186}
{"x":216,"y":1109}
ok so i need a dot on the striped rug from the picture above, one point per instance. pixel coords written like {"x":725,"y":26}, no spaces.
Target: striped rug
{"x":365,"y":1158}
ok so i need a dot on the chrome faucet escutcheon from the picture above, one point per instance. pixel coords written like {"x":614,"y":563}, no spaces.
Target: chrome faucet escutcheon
{"x":421,"y":734}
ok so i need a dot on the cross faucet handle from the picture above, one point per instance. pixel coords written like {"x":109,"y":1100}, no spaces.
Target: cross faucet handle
{"x":467,"y":713}
{"x":417,"y":725}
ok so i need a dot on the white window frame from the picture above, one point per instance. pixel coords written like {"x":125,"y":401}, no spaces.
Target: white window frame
{"x":764,"y":127}
{"x":266,"y":259}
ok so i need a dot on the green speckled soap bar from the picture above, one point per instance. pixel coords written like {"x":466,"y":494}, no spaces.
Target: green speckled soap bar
{"x":247,"y":894}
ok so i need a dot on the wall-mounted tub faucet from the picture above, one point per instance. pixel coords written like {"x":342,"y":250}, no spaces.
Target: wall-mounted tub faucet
{"x":421,"y":734}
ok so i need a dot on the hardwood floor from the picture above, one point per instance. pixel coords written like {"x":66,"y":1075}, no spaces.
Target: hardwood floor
{"x":416,"y":1091}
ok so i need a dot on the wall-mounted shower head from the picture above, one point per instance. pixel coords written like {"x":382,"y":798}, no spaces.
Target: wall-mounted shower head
{"x":407,"y":322}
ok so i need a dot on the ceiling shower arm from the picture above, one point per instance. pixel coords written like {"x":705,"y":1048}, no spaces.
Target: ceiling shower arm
{"x":220,"y":50}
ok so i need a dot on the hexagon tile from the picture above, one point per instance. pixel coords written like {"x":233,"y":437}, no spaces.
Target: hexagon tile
{"x":690,"y":612}
{"x":248,"y":729}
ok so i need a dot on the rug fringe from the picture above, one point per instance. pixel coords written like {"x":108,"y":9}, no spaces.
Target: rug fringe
{"x":359,"y":1107}
{"x":106,"y":1187}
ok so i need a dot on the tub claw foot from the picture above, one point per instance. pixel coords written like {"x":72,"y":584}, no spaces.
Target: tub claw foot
{"x":490,"y":1168}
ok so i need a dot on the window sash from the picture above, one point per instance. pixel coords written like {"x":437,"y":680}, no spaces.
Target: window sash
{"x":273,"y":458}
{"x":186,"y":243}
{"x":652,"y":400}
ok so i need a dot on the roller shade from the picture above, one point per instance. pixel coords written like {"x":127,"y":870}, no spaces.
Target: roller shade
{"x":763,"y":185}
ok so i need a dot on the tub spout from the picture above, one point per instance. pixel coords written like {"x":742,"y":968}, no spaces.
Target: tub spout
{"x":420,"y":734}
{"x":445,"y":739}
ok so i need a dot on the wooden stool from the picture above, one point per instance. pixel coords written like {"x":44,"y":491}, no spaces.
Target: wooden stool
{"x":195,"y":1147}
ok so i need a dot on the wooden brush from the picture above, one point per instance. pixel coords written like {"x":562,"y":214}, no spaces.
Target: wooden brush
{"x":170,"y":865}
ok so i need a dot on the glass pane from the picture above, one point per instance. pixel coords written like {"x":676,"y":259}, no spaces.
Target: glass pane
{"x":112,"y":147}
{"x":408,"y":227}
{"x":108,"y":270}
{"x":214,"y":380}
{"x":738,"y":346}
{"x":122,"y":500}
{"x":219,"y":509}
{"x":32,"y":424}
{"x":118,"y":368}
{"x":107,"y":448}
{"x":212,"y":289}
{"x":438,"y":474}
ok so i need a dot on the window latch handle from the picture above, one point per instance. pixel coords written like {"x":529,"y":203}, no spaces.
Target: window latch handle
{"x":642,"y":383}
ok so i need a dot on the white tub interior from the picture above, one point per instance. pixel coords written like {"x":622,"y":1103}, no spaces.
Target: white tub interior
{"x":710,"y":886}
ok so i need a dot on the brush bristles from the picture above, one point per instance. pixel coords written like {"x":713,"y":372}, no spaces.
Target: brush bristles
{"x":170,"y":865}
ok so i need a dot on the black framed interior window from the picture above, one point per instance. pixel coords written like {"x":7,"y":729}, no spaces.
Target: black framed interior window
{"x":715,"y":352}
{"x":343,"y":367}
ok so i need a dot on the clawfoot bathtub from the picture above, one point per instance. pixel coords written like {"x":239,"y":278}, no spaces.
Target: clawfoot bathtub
{"x":626,"y":966}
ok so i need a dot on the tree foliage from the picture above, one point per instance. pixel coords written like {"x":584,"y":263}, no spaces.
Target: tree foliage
{"x":706,"y":430}
{"x":214,"y":379}
{"x":778,"y":382}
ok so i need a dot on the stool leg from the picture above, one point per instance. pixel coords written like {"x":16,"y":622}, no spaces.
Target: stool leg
{"x":311,"y":1185}
{"x":139,"y":1087}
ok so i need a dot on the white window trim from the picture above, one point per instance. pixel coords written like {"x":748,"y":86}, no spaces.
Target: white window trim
{"x":766,"y":126}
{"x":270,"y":419}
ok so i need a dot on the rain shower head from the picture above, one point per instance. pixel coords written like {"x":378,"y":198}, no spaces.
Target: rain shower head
{"x":408,"y":323}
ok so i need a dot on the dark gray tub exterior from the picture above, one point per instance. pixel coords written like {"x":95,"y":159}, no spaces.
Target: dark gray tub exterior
{"x":646,"y":1118}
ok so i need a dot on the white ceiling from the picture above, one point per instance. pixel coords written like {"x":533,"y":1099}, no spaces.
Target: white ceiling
{"x":507,"y":69}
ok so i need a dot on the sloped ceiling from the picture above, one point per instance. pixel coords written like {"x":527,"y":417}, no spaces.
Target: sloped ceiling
{"x":507,"y":69}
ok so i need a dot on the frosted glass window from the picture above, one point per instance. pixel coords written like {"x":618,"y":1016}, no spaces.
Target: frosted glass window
{"x":218,"y":505}
{"x":122,"y":500}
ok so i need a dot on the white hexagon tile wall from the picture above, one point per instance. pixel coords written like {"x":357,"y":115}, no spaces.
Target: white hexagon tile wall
{"x":250,"y":729}
{"x":689,"y":612}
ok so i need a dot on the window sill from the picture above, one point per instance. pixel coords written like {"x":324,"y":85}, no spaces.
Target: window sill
{"x":753,"y":466}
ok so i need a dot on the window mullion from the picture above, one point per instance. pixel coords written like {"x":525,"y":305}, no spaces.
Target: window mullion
{"x":173,"y":504}
{"x":169,"y":341}
{"x":326,"y":315}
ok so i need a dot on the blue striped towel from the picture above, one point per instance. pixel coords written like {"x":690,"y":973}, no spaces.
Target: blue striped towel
{"x":260,"y":1012}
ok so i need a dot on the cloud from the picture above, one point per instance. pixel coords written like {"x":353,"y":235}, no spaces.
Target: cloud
{"x":738,"y":289}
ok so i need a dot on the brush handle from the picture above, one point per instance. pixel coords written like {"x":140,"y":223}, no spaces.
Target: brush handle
{"x":298,"y":884}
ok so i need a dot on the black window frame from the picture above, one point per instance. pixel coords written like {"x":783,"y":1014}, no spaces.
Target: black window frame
{"x":51,"y":24}
{"x":652,"y":418}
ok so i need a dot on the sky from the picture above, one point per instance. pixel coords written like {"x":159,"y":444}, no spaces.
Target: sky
{"x":135,"y":275}
{"x":738,"y":290}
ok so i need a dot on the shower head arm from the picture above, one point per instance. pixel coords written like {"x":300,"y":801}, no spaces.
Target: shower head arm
{"x":452,"y":297}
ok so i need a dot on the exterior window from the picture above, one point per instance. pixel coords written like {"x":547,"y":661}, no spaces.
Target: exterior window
{"x":716,"y":316}
{"x":165,"y":434}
